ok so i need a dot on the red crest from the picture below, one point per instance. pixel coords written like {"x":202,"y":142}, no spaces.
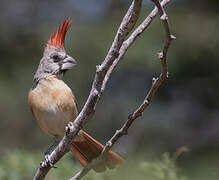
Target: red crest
{"x":57,"y":38}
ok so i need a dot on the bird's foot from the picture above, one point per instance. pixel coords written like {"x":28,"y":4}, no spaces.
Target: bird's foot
{"x":47,"y":161}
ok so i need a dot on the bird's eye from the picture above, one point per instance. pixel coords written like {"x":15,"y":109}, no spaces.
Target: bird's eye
{"x":55,"y":58}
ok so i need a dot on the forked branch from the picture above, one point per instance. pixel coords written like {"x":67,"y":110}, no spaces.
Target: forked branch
{"x":156,"y":82}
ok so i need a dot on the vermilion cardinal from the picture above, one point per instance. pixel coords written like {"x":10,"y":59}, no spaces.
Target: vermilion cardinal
{"x":53,"y":103}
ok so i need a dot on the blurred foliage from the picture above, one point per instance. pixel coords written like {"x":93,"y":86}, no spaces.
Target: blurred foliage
{"x":21,"y":165}
{"x":162,"y":169}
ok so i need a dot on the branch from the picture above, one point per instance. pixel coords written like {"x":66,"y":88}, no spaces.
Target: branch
{"x":88,"y":110}
{"x":138,"y":31}
{"x":156,"y":82}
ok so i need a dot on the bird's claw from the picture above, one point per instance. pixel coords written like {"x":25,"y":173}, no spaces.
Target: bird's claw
{"x":47,"y":162}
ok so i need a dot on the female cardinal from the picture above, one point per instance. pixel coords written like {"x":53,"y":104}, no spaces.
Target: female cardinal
{"x":53,"y":103}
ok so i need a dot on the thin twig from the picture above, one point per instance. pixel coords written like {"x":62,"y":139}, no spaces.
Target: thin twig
{"x":156,"y":82}
{"x":137,"y":32}
{"x":72,"y":129}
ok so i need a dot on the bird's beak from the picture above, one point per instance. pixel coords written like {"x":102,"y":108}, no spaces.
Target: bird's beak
{"x":68,"y":63}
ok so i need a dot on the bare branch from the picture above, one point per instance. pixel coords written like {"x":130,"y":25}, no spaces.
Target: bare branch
{"x":72,"y":129}
{"x":156,"y":82}
{"x":138,"y":31}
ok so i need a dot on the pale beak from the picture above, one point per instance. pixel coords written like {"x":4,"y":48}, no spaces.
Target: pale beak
{"x":68,"y":63}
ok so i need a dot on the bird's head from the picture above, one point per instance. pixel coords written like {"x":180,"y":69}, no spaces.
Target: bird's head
{"x":55,"y":61}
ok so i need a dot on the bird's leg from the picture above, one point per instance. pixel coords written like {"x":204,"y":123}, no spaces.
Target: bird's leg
{"x":55,"y":143}
{"x":48,"y":152}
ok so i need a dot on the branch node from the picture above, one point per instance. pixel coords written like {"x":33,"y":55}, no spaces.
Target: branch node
{"x":98,"y":68}
{"x":160,"y":55}
{"x":118,"y":131}
{"x":154,"y":80}
{"x":146,"y":102}
{"x":69,"y":127}
{"x":173,"y":37}
{"x":109,"y":144}
{"x":96,"y":93}
{"x":164,"y":17}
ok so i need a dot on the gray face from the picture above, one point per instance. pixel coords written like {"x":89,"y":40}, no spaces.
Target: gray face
{"x":55,"y":61}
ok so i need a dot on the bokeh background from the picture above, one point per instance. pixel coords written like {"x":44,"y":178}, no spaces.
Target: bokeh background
{"x":183,"y":115}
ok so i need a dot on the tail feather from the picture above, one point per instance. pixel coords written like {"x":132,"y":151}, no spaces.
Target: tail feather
{"x":87,"y":148}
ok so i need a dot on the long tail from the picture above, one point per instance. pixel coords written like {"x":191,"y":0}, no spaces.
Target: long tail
{"x":85,"y":148}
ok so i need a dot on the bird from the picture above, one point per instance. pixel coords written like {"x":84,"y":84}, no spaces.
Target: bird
{"x":53,"y":104}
